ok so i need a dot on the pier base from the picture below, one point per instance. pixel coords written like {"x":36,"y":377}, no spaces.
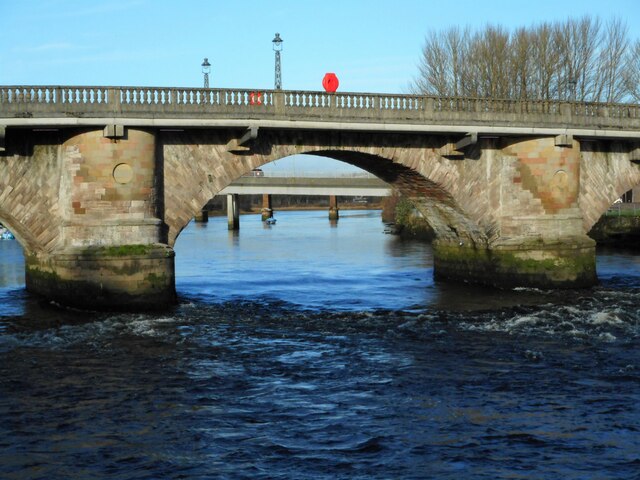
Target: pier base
{"x":559,"y":263}
{"x":126,"y":277}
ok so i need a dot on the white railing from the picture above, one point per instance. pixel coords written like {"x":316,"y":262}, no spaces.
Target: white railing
{"x":34,"y":101}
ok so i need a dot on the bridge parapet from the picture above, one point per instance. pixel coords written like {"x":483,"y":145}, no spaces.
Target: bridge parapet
{"x":18,"y":103}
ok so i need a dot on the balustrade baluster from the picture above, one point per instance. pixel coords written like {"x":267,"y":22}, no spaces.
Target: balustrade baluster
{"x":401,"y":107}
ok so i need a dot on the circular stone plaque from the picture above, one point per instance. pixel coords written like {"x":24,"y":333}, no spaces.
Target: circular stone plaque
{"x":123,"y":173}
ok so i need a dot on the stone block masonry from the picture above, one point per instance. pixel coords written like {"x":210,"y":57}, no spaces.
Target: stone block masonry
{"x":98,"y":182}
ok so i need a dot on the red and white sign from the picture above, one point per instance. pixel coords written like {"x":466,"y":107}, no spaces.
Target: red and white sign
{"x":255,"y":98}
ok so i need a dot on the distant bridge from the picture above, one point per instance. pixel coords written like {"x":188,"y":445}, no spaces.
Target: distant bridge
{"x":98,"y":182}
{"x":267,"y":186}
{"x":366,"y":187}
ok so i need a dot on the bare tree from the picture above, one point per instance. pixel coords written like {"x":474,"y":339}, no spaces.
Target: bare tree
{"x":610,"y":85}
{"x":577,"y":59}
{"x":632,"y":72}
{"x":577,"y":42}
{"x":545,"y":57}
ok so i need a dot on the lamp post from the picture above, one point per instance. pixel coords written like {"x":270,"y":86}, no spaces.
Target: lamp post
{"x":572,"y":90}
{"x":277,"y":47}
{"x":206,"y":69}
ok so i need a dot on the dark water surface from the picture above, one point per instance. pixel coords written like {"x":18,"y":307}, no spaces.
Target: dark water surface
{"x":304,"y":351}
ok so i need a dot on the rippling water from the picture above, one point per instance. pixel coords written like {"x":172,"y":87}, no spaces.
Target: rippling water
{"x":305,"y":351}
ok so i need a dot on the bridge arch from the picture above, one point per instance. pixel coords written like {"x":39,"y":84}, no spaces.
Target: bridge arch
{"x":30,"y":190}
{"x":607,"y":173}
{"x":198,"y":169}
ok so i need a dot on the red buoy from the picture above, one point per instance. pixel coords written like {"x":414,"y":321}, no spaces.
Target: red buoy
{"x":330,"y":82}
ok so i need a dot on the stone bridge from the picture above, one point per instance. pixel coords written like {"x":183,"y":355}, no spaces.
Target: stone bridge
{"x":98,"y":182}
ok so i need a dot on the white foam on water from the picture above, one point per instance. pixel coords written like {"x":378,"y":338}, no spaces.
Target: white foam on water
{"x":605,"y":318}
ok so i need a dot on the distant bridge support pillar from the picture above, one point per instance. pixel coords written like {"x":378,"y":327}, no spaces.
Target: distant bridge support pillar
{"x":267,"y":211}
{"x":233,"y":212}
{"x":202,"y":217}
{"x":333,"y":207}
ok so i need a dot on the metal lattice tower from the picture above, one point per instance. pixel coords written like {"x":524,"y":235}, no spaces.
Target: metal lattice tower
{"x":277,"y":47}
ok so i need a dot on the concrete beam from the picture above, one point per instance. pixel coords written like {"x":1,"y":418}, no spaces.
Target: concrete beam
{"x":250,"y":134}
{"x":466,"y":141}
{"x":422,"y":127}
{"x":449,"y":150}
{"x":455,"y":151}
{"x":113,"y":131}
{"x":564,"y":140}
{"x":238,"y":144}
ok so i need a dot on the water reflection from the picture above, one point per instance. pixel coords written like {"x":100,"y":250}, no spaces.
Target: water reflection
{"x":12,"y":264}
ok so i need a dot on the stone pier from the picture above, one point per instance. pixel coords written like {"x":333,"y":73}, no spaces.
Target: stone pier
{"x":110,"y":250}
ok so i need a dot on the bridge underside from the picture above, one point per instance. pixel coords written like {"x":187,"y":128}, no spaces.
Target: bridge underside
{"x":98,"y":215}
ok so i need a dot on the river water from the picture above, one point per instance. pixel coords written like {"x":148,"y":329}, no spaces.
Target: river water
{"x":310,"y":351}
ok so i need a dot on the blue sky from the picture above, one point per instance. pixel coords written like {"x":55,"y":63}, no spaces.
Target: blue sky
{"x":372,"y":45}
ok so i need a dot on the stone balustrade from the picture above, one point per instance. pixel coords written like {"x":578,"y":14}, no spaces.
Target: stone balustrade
{"x":166,"y":103}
